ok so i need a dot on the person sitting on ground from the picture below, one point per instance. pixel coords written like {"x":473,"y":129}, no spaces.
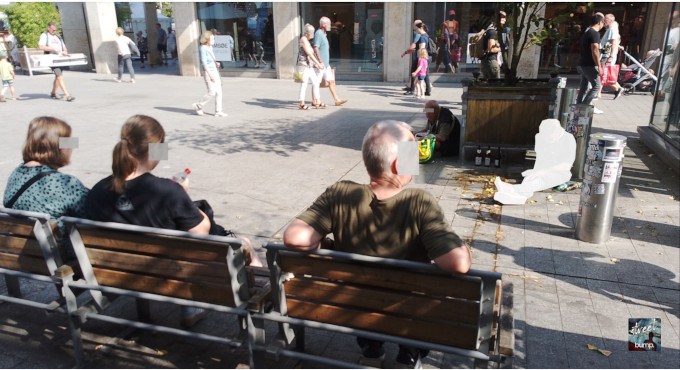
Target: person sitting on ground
{"x":132,"y":195}
{"x":381,"y":219}
{"x":445,"y":126}
{"x":555,"y":153}
{"x":37,"y":185}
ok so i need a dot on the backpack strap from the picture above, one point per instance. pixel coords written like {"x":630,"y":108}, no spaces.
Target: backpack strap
{"x":26,"y":186}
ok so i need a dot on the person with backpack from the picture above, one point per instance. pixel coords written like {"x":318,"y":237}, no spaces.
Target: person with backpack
{"x":420,"y":41}
{"x":51,"y":43}
{"x":489,"y":62}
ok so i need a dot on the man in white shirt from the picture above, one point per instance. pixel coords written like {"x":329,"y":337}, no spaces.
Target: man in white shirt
{"x":52,"y":43}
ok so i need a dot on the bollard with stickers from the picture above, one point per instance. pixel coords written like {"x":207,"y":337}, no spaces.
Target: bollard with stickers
{"x":578,"y":124}
{"x":602,"y":171}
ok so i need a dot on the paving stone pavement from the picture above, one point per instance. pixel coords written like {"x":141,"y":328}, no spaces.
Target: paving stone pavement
{"x":267,"y":161}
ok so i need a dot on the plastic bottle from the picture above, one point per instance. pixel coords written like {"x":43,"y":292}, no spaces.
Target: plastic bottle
{"x":487,"y":157}
{"x":478,"y":157}
{"x":497,"y":160}
{"x":179,"y":177}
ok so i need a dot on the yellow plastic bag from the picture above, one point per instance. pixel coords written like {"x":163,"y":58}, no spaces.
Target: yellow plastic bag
{"x":426,"y":148}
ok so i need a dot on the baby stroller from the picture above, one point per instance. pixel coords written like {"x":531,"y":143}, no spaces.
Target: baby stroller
{"x":638,"y":77}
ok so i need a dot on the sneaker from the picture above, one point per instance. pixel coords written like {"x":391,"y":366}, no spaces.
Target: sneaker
{"x":117,"y":79}
{"x":189,"y":316}
{"x":2,"y":99}
{"x":427,"y":94}
{"x":132,"y":80}
{"x":595,"y":99}
{"x":618,"y":93}
{"x":198,"y":109}
{"x":220,"y":114}
{"x":597,"y":111}
{"x":408,"y":92}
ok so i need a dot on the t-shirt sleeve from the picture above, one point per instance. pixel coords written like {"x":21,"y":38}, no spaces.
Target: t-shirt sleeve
{"x":317,"y":40}
{"x":436,"y":236}
{"x":184,"y":213}
{"x":43,"y":39}
{"x":416,"y":40}
{"x":78,"y":194}
{"x":318,"y":215}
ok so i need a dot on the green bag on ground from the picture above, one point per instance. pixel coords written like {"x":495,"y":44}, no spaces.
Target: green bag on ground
{"x":426,"y":148}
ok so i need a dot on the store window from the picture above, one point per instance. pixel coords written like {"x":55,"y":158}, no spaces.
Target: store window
{"x":356,"y":37}
{"x":666,"y":111}
{"x":245,"y":33}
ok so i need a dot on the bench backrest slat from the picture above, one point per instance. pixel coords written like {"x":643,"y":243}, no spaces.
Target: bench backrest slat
{"x":21,"y":233}
{"x":405,"y":299}
{"x":439,"y":332}
{"x":160,"y":261}
{"x":384,"y":300}
{"x":384,"y":277}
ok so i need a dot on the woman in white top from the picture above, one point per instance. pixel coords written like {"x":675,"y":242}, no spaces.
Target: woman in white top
{"x":211,"y":75}
{"x":172,"y":43}
{"x":124,"y":55}
{"x":312,"y":68}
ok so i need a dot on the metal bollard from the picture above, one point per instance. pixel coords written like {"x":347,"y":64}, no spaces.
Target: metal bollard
{"x":578,"y":124}
{"x":567,"y":98}
{"x":600,"y":187}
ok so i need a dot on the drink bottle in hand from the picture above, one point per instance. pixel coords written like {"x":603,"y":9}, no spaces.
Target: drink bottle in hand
{"x":179,"y":177}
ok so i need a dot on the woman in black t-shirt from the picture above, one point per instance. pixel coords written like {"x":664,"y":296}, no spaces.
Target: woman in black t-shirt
{"x":132,"y":195}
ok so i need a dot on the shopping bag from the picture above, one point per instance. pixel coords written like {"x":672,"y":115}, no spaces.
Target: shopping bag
{"x":426,"y":148}
{"x":610,"y":75}
{"x":299,"y":73}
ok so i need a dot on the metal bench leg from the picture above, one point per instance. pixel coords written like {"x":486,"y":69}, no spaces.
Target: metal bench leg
{"x":299,"y":331}
{"x":256,"y":338}
{"x":483,"y":348}
{"x":13,"y":288}
{"x":143,"y":310}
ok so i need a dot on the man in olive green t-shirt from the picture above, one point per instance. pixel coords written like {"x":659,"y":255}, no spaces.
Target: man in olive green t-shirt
{"x":382,"y":218}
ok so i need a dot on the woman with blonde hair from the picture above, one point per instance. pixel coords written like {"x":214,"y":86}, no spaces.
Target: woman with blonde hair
{"x":132,"y":195}
{"x":37,"y":185}
{"x":211,"y":75}
{"x":312,"y":67}
{"x":124,"y":55}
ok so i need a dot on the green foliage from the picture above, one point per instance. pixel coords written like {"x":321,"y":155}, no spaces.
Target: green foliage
{"x":123,"y":15}
{"x":166,"y":8}
{"x":28,"y":20}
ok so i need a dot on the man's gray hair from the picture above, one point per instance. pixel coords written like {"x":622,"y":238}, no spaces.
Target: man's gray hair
{"x":308,"y":29}
{"x":326,"y":21}
{"x":380,"y":146}
{"x":52,"y":24}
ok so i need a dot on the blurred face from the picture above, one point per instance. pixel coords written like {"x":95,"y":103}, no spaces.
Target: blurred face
{"x":431,"y":113}
{"x":211,"y":41}
{"x":503,"y":19}
{"x":52,"y":30}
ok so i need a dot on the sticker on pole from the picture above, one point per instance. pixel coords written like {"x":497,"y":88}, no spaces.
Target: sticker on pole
{"x":609,"y":172}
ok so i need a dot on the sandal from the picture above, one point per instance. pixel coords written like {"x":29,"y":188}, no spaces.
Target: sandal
{"x":55,"y":96}
{"x":70,"y":98}
{"x":319,"y":106}
{"x":304,"y":107}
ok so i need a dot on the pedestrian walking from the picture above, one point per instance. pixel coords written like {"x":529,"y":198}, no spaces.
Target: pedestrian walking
{"x":211,"y":75}
{"x":7,"y":76}
{"x":143,"y":46}
{"x":52,"y":43}
{"x":322,"y":50}
{"x":312,"y":68}
{"x":124,"y":55}
{"x":589,"y":66}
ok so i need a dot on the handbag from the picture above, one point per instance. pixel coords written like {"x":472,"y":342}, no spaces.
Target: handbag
{"x":299,"y":73}
{"x":215,"y":229}
{"x":610,"y":75}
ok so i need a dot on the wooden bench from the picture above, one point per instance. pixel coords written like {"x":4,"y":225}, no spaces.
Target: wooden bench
{"x":409,"y":303}
{"x":28,"y":249}
{"x":165,"y":266}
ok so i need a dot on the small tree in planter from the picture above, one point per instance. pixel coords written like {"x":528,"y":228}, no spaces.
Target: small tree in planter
{"x":520,"y":17}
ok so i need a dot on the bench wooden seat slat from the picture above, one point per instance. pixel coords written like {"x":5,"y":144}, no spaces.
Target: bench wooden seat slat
{"x":380,"y":277}
{"x":25,"y":263}
{"x":22,"y":245}
{"x":384,"y":301}
{"x":214,"y":272}
{"x":159,"y":245}
{"x":440,"y":332}
{"x":217,"y":294}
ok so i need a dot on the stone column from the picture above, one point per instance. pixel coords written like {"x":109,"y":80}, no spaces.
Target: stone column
{"x":151,"y":19}
{"x":101,"y":24}
{"x":187,"y":34}
{"x":398,"y":32}
{"x":74,"y":30}
{"x":287,"y":33}
{"x":529,"y":63}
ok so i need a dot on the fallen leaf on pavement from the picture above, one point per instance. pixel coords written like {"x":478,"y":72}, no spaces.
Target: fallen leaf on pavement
{"x":98,"y":347}
{"x":616,"y":260}
{"x":161,"y":352}
{"x":592,"y":347}
{"x":604,"y":352}
{"x":532,"y":201}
